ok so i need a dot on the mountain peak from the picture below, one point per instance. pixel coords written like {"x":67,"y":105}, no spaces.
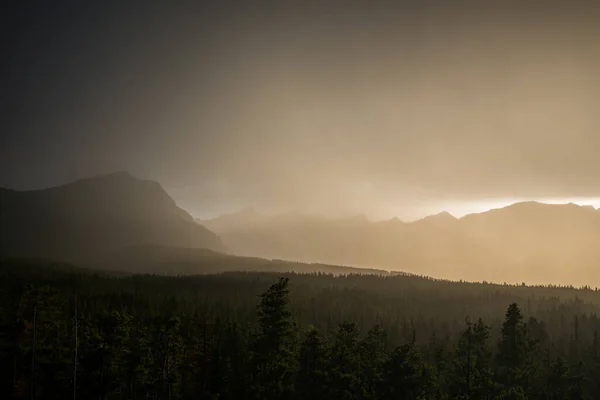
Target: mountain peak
{"x":445,"y":214}
{"x":523,"y":204}
{"x":440,"y":218}
{"x":96,"y":214}
{"x":550,"y":207}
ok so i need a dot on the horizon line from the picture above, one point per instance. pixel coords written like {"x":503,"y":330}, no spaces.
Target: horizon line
{"x":484,"y":207}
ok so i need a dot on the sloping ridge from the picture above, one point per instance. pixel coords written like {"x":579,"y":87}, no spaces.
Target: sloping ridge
{"x":80,"y":220}
{"x":527,"y":241}
{"x":165,"y":260}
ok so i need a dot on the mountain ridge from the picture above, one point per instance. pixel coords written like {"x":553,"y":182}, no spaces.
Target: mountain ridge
{"x":88,"y":218}
{"x":532,"y":241}
{"x":81,"y":219}
{"x":251,"y":210}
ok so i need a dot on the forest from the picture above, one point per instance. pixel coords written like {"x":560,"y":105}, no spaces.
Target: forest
{"x":72,"y":333}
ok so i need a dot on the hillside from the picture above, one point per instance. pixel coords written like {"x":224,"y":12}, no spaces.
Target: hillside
{"x":81,"y":220}
{"x":531,"y":242}
{"x":166,"y":260}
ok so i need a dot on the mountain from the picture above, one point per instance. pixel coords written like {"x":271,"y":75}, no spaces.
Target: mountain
{"x":81,"y":220}
{"x":529,"y":241}
{"x":441,"y":219}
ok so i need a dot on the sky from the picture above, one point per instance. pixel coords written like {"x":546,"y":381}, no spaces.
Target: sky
{"x":337,"y":107}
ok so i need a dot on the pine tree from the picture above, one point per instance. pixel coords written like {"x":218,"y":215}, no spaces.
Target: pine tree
{"x":345,"y":379}
{"x":513,"y":352}
{"x":311,"y":381}
{"x":405,"y":375}
{"x":372,"y":356}
{"x":274,"y":353}
{"x":472,"y":378}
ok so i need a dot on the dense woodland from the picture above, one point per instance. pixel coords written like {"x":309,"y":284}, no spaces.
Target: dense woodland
{"x":71,"y":333}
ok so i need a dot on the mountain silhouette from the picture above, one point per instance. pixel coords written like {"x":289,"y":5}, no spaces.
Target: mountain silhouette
{"x":87,"y":220}
{"x":78,"y":221}
{"x":529,"y":241}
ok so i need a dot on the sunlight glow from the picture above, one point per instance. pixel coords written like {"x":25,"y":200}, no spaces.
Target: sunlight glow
{"x":460,"y":209}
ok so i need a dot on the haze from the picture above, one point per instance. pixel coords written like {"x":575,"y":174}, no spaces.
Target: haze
{"x":384,"y":110}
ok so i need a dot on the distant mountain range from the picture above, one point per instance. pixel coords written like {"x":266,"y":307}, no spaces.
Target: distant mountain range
{"x":116,"y":221}
{"x":529,"y":241}
{"x":80,"y":221}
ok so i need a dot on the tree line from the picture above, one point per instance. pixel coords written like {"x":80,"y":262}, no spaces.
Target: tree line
{"x":91,"y":336}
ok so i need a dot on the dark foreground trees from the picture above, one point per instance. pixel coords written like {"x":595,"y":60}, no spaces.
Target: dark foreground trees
{"x":157,"y":338}
{"x":274,"y":355}
{"x":472,"y":374}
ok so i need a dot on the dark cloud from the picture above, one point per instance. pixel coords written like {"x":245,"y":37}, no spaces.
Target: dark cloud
{"x":325,"y":108}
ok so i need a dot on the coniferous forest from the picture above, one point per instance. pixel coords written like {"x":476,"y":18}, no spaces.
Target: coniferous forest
{"x":299,"y":200}
{"x":70,"y":333}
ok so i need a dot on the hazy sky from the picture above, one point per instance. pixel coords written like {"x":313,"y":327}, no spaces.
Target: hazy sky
{"x":404,"y":109}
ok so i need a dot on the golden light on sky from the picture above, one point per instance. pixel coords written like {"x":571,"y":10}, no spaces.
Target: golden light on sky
{"x":401,"y":108}
{"x":460,"y":209}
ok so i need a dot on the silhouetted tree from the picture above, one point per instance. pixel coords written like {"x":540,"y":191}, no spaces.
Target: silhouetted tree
{"x":405,"y":375}
{"x":274,"y":354}
{"x":311,"y":381}
{"x":513,"y":353}
{"x":345,"y":380}
{"x":472,"y":377}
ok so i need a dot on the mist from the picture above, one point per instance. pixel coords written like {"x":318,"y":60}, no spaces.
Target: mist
{"x":383,"y":110}
{"x":300,"y":200}
{"x":349,"y":114}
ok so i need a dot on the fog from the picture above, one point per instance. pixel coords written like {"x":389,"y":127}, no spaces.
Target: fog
{"x":384,"y":110}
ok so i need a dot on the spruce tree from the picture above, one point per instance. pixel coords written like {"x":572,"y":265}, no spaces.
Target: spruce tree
{"x":513,"y":352}
{"x":345,"y":379}
{"x":471,"y":371}
{"x":372,"y":356}
{"x":405,"y":375}
{"x":274,"y":353}
{"x":310,"y":383}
